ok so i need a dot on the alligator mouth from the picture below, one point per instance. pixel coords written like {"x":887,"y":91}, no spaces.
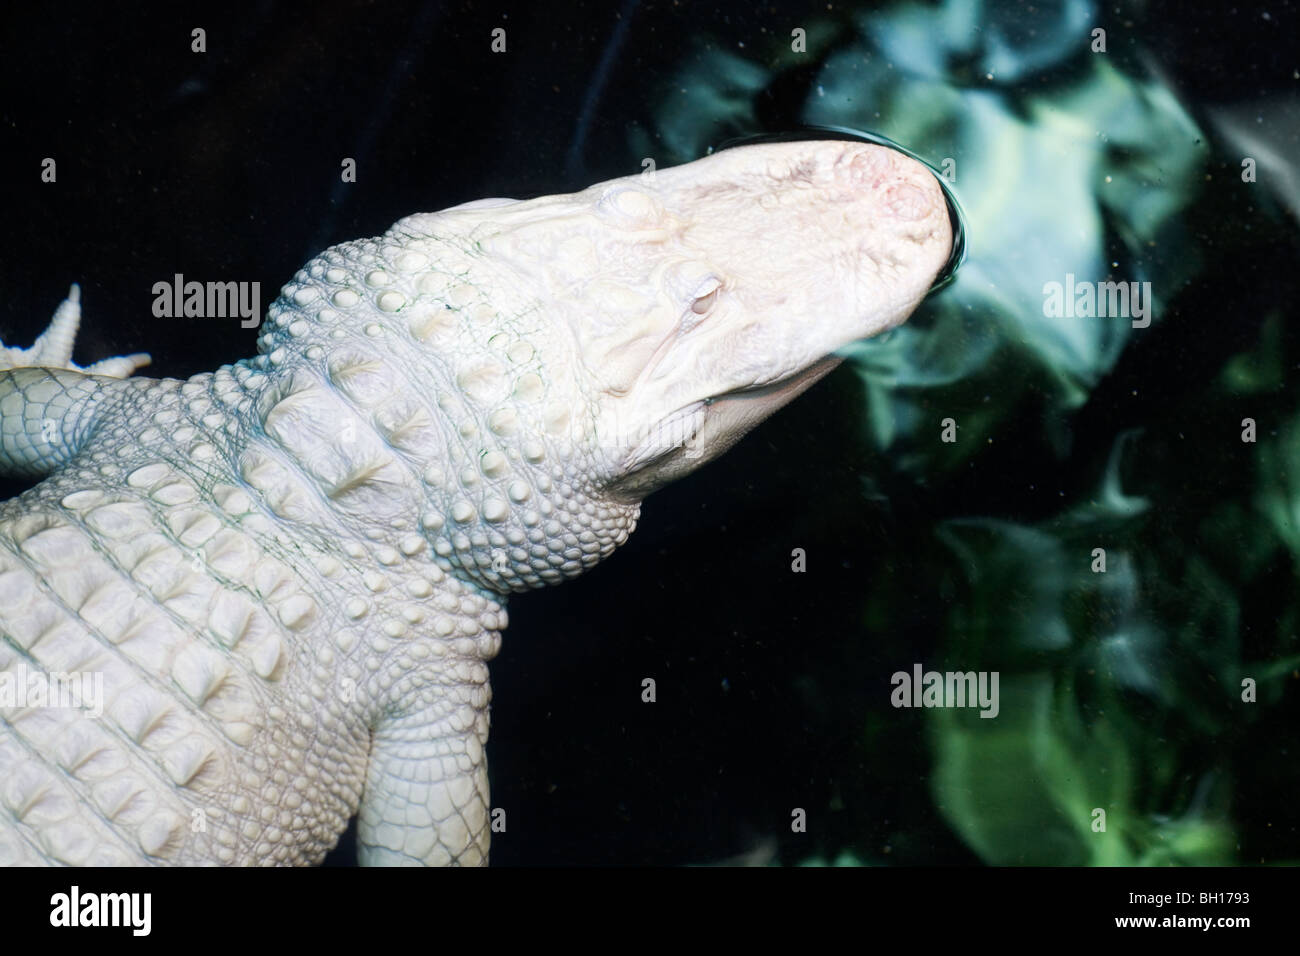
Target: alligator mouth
{"x":777,"y":393}
{"x":741,"y":409}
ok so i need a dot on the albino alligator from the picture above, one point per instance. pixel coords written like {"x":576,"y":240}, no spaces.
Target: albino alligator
{"x":246,"y":606}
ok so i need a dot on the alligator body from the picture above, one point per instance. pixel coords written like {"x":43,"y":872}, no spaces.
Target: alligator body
{"x":242,"y":608}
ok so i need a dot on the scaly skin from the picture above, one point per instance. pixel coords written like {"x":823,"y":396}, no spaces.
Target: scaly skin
{"x":291,"y":572}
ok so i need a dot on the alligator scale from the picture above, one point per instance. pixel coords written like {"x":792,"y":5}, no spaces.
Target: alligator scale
{"x":276,"y":586}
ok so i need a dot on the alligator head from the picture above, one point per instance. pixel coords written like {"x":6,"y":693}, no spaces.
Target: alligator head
{"x":677,"y":309}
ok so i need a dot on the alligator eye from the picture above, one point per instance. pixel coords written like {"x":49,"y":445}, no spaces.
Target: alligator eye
{"x":705,"y":302}
{"x":630,"y":205}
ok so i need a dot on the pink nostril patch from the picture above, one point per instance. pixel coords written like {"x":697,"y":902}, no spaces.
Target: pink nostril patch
{"x":867,"y":167}
{"x":908,"y":202}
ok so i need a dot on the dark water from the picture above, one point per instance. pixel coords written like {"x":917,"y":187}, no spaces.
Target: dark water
{"x":1121,"y":691}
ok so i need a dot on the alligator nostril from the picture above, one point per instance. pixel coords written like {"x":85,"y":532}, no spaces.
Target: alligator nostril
{"x":867,"y":166}
{"x":909,"y":202}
